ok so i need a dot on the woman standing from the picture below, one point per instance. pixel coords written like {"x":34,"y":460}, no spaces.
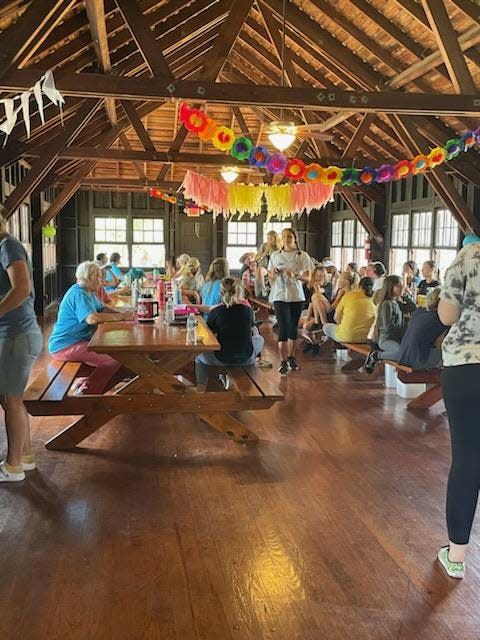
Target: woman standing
{"x":288,"y":270}
{"x":267,"y":249}
{"x":460,"y":308}
{"x":20,"y":344}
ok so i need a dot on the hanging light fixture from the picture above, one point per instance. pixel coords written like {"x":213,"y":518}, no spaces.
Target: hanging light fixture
{"x":229,"y":174}
{"x":281,"y":133}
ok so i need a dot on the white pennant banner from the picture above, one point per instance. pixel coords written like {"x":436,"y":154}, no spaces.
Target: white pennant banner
{"x":44,"y":86}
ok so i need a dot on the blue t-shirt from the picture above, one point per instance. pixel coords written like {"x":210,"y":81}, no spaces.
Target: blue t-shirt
{"x":22,"y":319}
{"x":70,"y":327}
{"x":115,"y":269}
{"x":210,"y":293}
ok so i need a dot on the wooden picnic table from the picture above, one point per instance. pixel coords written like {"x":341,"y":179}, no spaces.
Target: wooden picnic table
{"x":154,"y":353}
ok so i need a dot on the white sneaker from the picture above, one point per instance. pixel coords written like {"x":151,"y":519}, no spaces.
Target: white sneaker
{"x":7,"y":476}
{"x":26,"y":466}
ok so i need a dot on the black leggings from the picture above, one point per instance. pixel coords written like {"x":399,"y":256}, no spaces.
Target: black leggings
{"x":460,"y":392}
{"x":288,"y":314}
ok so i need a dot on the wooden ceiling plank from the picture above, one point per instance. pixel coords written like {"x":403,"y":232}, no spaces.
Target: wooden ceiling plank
{"x":137,"y":124}
{"x":96,"y":18}
{"x":469,"y":8}
{"x":361,"y":131}
{"x":20,"y":41}
{"x":144,"y":38}
{"x":44,"y":164}
{"x":447,"y":42}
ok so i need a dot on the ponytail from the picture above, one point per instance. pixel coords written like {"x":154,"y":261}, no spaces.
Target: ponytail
{"x":366,"y":284}
{"x":231,"y":291}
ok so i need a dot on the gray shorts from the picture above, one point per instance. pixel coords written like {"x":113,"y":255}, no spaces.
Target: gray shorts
{"x":17,"y":355}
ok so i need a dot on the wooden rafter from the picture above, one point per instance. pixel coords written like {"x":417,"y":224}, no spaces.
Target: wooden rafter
{"x":159,"y":89}
{"x":19,"y":42}
{"x":447,"y":42}
{"x":215,"y":61}
{"x":360,"y":132}
{"x":44,"y":164}
{"x":144,"y":38}
{"x":137,"y":124}
{"x":438,"y":177}
{"x":354,"y":204}
{"x":96,"y":18}
{"x":137,"y":164}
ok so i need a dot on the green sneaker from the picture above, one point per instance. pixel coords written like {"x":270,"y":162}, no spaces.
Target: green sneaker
{"x":453,"y":569}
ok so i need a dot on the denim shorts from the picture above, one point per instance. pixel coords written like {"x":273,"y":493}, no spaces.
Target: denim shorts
{"x":17,"y":355}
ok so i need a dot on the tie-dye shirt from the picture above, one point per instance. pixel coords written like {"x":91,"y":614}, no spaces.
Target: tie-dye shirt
{"x":462,"y":288}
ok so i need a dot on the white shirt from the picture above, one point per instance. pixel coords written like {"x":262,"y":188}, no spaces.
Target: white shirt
{"x":285,"y":288}
{"x":378,"y":283}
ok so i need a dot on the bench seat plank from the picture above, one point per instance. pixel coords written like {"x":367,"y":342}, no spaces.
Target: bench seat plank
{"x":266,"y":381}
{"x":245,"y":385}
{"x":42,"y":382}
{"x":63,"y":381}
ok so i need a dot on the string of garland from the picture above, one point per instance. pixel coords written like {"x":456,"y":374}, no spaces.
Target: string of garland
{"x":243,"y":149}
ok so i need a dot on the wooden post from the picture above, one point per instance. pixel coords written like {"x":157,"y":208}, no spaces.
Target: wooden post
{"x":37,"y":255}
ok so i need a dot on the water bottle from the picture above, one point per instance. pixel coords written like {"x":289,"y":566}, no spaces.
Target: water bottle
{"x":177,"y":293}
{"x":155,"y":275}
{"x":169,"y":311}
{"x":135,"y":293}
{"x":191,"y":329}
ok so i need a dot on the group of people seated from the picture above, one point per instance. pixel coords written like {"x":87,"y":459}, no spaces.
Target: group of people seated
{"x":354,"y":305}
{"x":368,"y":306}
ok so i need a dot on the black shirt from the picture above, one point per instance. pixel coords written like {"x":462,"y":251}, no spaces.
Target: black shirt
{"x":423,"y":329}
{"x":233,"y":328}
{"x":424,"y":286}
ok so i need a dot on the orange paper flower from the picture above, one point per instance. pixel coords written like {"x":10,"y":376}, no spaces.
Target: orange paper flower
{"x":208,"y":132}
{"x":313,"y":172}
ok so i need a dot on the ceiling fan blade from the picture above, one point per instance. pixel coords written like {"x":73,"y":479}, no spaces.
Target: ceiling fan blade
{"x":316,"y":135}
{"x":318,"y":126}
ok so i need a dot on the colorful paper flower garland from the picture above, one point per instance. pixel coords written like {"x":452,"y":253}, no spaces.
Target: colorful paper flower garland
{"x":243,"y":149}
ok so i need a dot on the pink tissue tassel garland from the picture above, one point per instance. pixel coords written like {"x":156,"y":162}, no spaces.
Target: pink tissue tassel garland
{"x":214,"y":194}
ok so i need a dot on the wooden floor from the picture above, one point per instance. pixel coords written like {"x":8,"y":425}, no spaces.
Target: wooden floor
{"x":163,"y":529}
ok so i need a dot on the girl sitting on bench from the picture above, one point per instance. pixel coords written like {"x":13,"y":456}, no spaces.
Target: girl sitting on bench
{"x":390,"y":323}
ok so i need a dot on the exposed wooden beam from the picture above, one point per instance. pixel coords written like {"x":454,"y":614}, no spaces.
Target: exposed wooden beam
{"x":42,"y":166}
{"x":19,"y":42}
{"x":128,"y":147}
{"x":160,"y":89}
{"x":361,"y":214}
{"x":226,"y":39}
{"x":126,"y":183}
{"x":145,"y":40}
{"x":438,"y":177}
{"x":447,"y":42}
{"x":137,"y":124}
{"x":96,"y":18}
{"x":214,"y":62}
{"x":361,"y":131}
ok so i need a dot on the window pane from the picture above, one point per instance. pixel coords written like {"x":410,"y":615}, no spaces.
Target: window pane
{"x":361,"y":236}
{"x":110,"y":230}
{"x":446,"y":232}
{"x":148,"y":255}
{"x":337,"y":233}
{"x":348,"y":233}
{"x":421,"y":255}
{"x":347,"y":256}
{"x":242,"y":233}
{"x":336,"y":256}
{"x":122,"y":249}
{"x":400,"y":225}
{"x":397,"y":259}
{"x":359,"y":258}
{"x":234,"y":254}
{"x":422,"y":229}
{"x":444,"y":258}
{"x":275,"y":226}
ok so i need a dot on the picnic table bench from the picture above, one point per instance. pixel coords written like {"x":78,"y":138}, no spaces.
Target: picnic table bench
{"x":154,"y":353}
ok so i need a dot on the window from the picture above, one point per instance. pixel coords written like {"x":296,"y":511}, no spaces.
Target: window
{"x":49,"y":252}
{"x":111,"y":237}
{"x":400,"y":224}
{"x":422,"y":229}
{"x":360,"y":238}
{"x":348,"y":233}
{"x":446,"y":240}
{"x":275,"y":226}
{"x":397,"y":259}
{"x":148,"y":248}
{"x":25,"y":229}
{"x":241,"y":238}
{"x":337,"y":234}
